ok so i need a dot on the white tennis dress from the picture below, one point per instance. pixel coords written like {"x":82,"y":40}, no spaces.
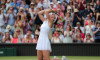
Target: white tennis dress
{"x":43,"y":41}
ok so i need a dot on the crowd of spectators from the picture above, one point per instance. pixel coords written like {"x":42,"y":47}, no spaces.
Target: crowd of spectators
{"x":77,"y":21}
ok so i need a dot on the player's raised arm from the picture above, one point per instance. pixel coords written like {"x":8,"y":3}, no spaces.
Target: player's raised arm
{"x":41,"y":13}
{"x":47,"y":12}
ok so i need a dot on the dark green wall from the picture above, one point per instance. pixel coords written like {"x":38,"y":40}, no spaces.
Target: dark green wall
{"x":57,"y":49}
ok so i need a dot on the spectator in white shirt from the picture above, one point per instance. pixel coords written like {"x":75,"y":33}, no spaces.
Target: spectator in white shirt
{"x":42,"y":3}
{"x":80,"y":27}
{"x":89,"y":28}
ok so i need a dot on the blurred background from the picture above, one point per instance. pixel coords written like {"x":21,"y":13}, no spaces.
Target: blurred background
{"x":75,"y":33}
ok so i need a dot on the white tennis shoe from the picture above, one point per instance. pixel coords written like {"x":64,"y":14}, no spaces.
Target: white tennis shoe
{"x":64,"y":58}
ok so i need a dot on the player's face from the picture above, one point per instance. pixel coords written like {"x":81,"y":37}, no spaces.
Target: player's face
{"x":52,"y":17}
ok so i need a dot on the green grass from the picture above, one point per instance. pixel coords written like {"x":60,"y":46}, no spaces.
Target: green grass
{"x":35,"y":58}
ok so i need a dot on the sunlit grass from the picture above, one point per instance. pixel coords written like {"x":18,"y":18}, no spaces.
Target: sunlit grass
{"x":35,"y":58}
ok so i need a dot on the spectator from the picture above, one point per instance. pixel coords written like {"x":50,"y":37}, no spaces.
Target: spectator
{"x":55,"y":3}
{"x":35,"y":40}
{"x":7,"y":33}
{"x":81,"y":6}
{"x":80,"y":32}
{"x":28,"y":39}
{"x":42,"y":3}
{"x":20,"y":36}
{"x":3,"y":6}
{"x":88,"y":9}
{"x":60,"y":27}
{"x":97,"y":7}
{"x":88,"y":19}
{"x":68,"y":35}
{"x":65,"y":3}
{"x":32,"y":26}
{"x":16,"y":5}
{"x":2,"y":17}
{"x":78,"y":39}
{"x":92,"y":23}
{"x":68,"y":19}
{"x":1,"y":36}
{"x":92,"y":17}
{"x":77,"y":17}
{"x":6,"y":15}
{"x":96,"y":32}
{"x":79,"y":27}
{"x":60,"y":6}
{"x":24,"y":5}
{"x":3,"y":1}
{"x":71,"y":4}
{"x":93,"y":2}
{"x":88,"y":39}
{"x":15,"y":38}
{"x":92,"y":7}
{"x":7,"y":38}
{"x":75,"y":5}
{"x":56,"y":38}
{"x":8,"y":4}
{"x":60,"y":33}
{"x":29,"y":31}
{"x":22,"y":13}
{"x":51,"y":5}
{"x":37,"y":31}
{"x":32,"y":11}
{"x":11,"y":18}
{"x":89,"y":28}
{"x":47,"y":2}
{"x":73,"y":34}
{"x":26,"y":25}
{"x":60,"y":17}
{"x":74,"y":2}
{"x":69,"y":9}
{"x":19,"y":24}
{"x":35,"y":5}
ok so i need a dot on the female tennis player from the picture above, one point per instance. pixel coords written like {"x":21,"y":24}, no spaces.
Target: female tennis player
{"x":43,"y":45}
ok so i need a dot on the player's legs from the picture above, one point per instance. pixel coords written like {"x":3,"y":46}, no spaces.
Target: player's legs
{"x":46,"y":55}
{"x":39,"y":55}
